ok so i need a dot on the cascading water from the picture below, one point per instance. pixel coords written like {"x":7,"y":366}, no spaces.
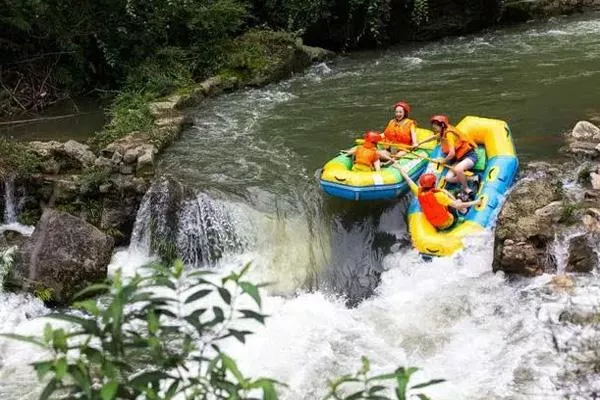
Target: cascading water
{"x":241,"y":189}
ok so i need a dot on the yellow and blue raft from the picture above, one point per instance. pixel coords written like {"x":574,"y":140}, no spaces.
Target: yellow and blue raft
{"x":497,"y":168}
{"x":337,"y":178}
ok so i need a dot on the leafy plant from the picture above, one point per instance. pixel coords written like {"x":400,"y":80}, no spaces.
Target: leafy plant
{"x":369,"y":387}
{"x":180,"y":346}
{"x":6,"y":263}
{"x":17,"y":158}
{"x":157,"y":336}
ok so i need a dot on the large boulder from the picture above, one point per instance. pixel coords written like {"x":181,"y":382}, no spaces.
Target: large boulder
{"x":584,"y":140}
{"x":582,"y":256}
{"x":63,"y":157}
{"x":64,"y":254}
{"x":525,"y":224}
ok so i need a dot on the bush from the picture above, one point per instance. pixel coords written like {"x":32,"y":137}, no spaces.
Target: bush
{"x":129,"y":112}
{"x":142,"y":339}
{"x":16,"y":158}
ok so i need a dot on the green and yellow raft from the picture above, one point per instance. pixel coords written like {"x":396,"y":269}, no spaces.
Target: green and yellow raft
{"x":337,"y":178}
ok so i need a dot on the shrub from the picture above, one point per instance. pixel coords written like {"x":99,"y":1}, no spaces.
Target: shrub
{"x":143,"y":339}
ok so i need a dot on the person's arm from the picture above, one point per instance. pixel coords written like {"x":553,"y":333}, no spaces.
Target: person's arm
{"x":452,"y":151}
{"x":411,"y":184}
{"x":465,"y":204}
{"x":413,"y":135}
{"x":350,"y":151}
{"x":377,"y":165}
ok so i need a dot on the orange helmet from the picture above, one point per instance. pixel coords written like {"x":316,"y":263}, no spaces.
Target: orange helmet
{"x":440,"y":120}
{"x":405,"y":106}
{"x":427,"y":181}
{"x":372,"y":137}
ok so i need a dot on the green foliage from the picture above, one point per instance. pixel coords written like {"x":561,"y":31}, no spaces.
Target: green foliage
{"x":568,"y":213}
{"x":420,"y":13}
{"x":93,"y":177}
{"x":257,"y":52}
{"x":129,"y":112}
{"x":363,"y":385}
{"x":158,"y":335}
{"x":6,"y":263}
{"x":29,"y":217}
{"x":44,"y":293}
{"x":16,"y":158}
{"x":181,"y":354}
{"x":583,"y":175}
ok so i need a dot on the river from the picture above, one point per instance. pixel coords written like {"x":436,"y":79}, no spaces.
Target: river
{"x":346,"y":282}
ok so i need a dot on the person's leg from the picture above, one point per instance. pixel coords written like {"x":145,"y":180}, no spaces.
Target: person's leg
{"x":459,"y":169}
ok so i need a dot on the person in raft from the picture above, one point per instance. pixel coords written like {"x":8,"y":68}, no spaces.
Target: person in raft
{"x":401,"y":130}
{"x":459,"y":149}
{"x":439,"y":206}
{"x":366,"y":156}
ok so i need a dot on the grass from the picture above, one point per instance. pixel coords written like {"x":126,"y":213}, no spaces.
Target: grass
{"x":16,"y":158}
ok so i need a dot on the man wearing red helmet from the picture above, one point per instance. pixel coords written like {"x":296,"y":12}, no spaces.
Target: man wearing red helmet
{"x":366,"y":156}
{"x":458,"y":148}
{"x":439,"y":206}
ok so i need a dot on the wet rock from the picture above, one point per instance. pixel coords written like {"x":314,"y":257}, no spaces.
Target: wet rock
{"x":79,"y":152}
{"x":159,"y":108}
{"x":64,"y":254}
{"x":584,"y":140}
{"x":585,"y":130}
{"x":525,"y":225}
{"x":194,"y":96}
{"x":317,"y":54}
{"x":562,"y":282}
{"x":45,"y":149}
{"x":591,"y":220}
{"x":126,"y":169}
{"x":595,"y":180}
{"x":131,"y":155}
{"x":145,"y":163}
{"x":118,"y":217}
{"x":71,"y":155}
{"x":582,"y":257}
{"x":103,"y":163}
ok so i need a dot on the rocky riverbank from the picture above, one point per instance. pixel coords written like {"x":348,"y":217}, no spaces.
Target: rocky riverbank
{"x":85,"y":197}
{"x":553,"y":204}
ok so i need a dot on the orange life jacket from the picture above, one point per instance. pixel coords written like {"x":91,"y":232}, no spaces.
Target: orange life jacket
{"x":366,"y":156}
{"x":462,"y":143}
{"x":437,"y":214}
{"x":399,"y":132}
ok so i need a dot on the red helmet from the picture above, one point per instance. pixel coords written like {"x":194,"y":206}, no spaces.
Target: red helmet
{"x":372,"y":137}
{"x":405,"y":106}
{"x":427,"y":181}
{"x":440,"y":120}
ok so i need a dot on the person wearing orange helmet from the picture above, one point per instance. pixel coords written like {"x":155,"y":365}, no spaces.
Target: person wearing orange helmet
{"x":401,"y":129}
{"x":440,"y":207}
{"x":366,"y":156}
{"x":458,"y":148}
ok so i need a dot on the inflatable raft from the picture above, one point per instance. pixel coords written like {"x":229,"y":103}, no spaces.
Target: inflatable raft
{"x":337,"y":178}
{"x":497,"y":168}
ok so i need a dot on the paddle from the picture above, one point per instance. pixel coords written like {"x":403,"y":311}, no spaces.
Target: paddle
{"x":450,"y":167}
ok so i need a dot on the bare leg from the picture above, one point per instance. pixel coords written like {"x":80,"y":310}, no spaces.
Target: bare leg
{"x":459,"y":170}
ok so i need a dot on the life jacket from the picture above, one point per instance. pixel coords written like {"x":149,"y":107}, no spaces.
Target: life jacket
{"x":366,"y":156}
{"x":437,"y":214}
{"x":462,"y":143}
{"x":399,"y":132}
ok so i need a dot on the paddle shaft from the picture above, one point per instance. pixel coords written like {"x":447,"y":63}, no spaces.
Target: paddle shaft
{"x":412,"y":152}
{"x":450,"y":167}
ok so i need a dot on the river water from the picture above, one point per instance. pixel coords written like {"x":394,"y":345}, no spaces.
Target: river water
{"x":346,"y":282}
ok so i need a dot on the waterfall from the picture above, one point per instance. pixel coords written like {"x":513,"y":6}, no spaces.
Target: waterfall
{"x":10,"y":206}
